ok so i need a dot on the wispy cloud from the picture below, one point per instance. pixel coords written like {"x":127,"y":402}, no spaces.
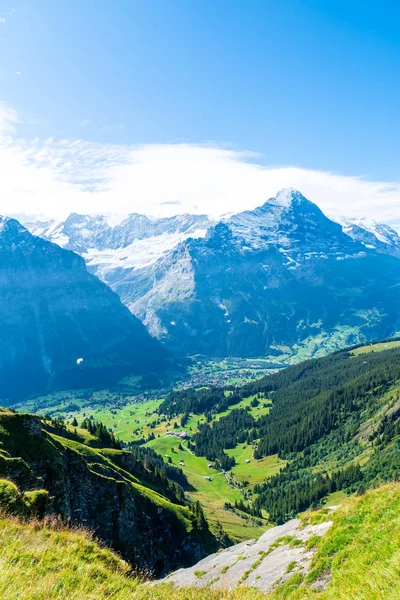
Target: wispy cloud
{"x":2,"y":19}
{"x":55,"y":177}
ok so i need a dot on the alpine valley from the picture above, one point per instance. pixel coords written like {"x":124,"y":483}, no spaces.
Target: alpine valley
{"x":124,"y":476}
{"x":199,"y":300}
{"x":282,"y":280}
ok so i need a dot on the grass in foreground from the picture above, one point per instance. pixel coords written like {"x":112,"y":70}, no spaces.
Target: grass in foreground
{"x":38,"y":562}
{"x":359,"y":557}
{"x":360,"y":554}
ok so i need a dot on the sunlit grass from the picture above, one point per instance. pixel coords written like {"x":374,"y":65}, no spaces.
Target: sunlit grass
{"x":376,"y":348}
{"x":360,"y":554}
{"x":359,"y":558}
{"x":211,"y":494}
{"x":49,"y":562}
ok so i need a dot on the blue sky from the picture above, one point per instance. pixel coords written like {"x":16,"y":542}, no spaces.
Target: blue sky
{"x":311,"y":84}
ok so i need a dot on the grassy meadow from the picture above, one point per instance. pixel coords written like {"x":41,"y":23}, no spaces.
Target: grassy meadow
{"x":211,"y":494}
{"x":134,"y":418}
{"x":376,"y":347}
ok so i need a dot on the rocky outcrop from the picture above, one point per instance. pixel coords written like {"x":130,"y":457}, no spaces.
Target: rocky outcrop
{"x":264,"y":563}
{"x":87,"y":487}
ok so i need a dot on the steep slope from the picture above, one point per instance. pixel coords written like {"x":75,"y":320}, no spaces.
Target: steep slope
{"x":122,"y":251}
{"x":268,"y":279}
{"x":373,"y":235}
{"x":351,"y":552}
{"x":105,"y":489}
{"x":261,"y":563}
{"x":356,"y":558}
{"x":52,"y":312}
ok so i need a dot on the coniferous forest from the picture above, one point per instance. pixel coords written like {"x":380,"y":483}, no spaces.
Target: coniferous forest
{"x":335,"y":420}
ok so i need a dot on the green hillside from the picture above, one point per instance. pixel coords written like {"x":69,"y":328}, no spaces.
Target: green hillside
{"x":334,"y":426}
{"x":134,"y":502}
{"x":320,"y":429}
{"x":357,"y":558}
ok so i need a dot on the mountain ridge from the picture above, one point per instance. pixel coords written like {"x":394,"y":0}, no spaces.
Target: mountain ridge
{"x":53,"y":470}
{"x":54,"y":312}
{"x":288,"y":244}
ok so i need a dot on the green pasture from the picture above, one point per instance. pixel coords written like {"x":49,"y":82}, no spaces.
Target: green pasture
{"x":376,"y":348}
{"x":255,"y":471}
{"x":211,"y":494}
{"x":127,"y":422}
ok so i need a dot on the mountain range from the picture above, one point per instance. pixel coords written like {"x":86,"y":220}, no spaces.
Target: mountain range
{"x":60,"y":326}
{"x":258,"y":283}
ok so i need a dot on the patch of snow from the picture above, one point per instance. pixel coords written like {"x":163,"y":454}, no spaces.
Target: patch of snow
{"x":137,"y":255}
{"x":176,"y":285}
{"x":114,"y":219}
{"x":285,"y":196}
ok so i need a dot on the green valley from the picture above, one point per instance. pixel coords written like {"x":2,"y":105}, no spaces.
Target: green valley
{"x":246,"y":457}
{"x":346,"y":403}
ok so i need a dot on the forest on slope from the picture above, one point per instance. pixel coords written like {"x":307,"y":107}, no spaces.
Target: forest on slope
{"x":335,"y":420}
{"x":133,"y":502}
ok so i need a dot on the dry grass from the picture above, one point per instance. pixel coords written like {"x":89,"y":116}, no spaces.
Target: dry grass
{"x":360,"y":556}
{"x":46,"y":561}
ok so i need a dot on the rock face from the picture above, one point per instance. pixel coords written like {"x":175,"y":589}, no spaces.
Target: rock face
{"x":374,"y":235}
{"x":53,"y":312}
{"x":262,"y":563}
{"x":123,"y":505}
{"x":122,"y":252}
{"x":280,"y":276}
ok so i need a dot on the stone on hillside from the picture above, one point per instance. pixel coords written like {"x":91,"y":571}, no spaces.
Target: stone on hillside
{"x":262,"y":563}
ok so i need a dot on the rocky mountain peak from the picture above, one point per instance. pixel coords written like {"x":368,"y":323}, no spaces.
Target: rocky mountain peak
{"x":11,"y":226}
{"x":372,"y":234}
{"x":286,"y":196}
{"x":291,"y":222}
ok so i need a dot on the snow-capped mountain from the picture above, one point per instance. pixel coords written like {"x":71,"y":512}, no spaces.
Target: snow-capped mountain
{"x":122,"y":251}
{"x":81,"y":233}
{"x":280,"y":275}
{"x":375,"y":235}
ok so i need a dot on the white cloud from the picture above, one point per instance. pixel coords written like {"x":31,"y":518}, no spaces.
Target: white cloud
{"x":2,"y":20}
{"x":56,"y":177}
